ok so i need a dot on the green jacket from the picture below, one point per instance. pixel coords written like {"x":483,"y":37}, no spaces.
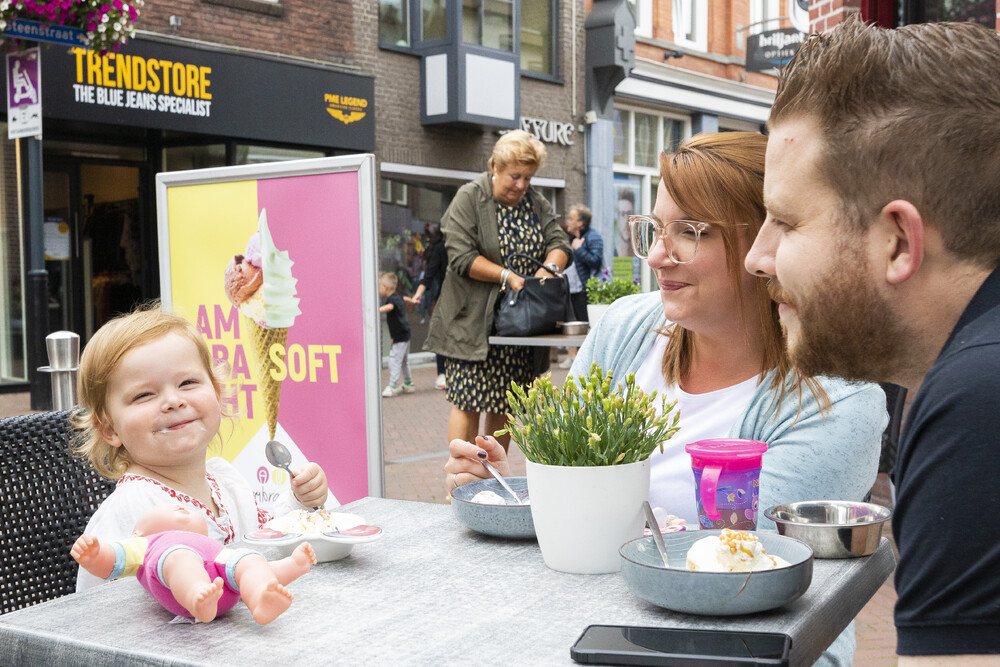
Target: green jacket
{"x":463,"y":316}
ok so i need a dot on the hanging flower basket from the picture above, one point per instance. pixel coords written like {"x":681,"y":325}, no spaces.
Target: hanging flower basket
{"x":107,"y":25}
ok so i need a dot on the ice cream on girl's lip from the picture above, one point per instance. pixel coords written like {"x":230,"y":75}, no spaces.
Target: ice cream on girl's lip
{"x":179,"y":425}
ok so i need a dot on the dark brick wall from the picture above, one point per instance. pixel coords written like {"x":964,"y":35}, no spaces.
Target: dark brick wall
{"x":400,"y":138}
{"x":322,"y":30}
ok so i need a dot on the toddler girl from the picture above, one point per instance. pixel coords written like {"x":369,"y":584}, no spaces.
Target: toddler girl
{"x":150,"y":401}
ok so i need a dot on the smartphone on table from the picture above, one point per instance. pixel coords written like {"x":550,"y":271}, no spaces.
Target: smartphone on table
{"x":679,"y":647}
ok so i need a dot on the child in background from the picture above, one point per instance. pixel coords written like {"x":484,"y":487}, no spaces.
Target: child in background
{"x":150,"y":405}
{"x":399,"y":333}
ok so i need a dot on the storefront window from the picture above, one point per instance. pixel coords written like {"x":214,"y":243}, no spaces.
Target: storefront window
{"x":249,"y":154}
{"x":673,"y":134}
{"x":12,"y":341}
{"x":931,"y":11}
{"x":180,"y":158}
{"x":409,"y":212}
{"x":393,"y":26}
{"x":640,"y":137}
{"x":645,"y":140}
{"x":621,"y":136}
{"x":537,"y":36}
{"x":489,"y":23}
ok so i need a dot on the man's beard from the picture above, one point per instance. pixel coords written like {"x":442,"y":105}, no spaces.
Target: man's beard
{"x":846,"y":328}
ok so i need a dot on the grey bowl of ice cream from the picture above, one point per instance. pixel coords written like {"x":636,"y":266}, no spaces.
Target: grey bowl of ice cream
{"x":717,"y":593}
{"x":485,"y":507}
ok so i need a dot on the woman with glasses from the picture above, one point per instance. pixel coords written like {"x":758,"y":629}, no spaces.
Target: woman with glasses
{"x":711,"y":339}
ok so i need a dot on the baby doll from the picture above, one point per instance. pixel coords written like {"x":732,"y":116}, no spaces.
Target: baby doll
{"x":189,"y":573}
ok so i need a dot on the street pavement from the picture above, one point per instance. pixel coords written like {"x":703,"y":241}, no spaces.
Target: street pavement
{"x":416,"y":448}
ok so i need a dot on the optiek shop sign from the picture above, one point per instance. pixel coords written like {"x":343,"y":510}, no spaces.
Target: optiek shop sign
{"x":772,"y":48}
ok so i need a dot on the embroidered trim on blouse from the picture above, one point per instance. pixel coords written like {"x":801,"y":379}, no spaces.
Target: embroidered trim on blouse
{"x":226,"y":529}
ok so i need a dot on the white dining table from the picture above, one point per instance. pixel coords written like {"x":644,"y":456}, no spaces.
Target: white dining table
{"x":430,"y":592}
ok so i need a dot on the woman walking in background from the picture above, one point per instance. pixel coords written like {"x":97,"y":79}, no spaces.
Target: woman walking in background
{"x":497,"y":214}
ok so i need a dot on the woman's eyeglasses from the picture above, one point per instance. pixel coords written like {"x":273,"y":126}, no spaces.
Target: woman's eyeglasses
{"x":680,"y":237}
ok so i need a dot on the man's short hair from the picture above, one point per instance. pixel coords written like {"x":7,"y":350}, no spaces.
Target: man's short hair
{"x":911,"y":113}
{"x":583,"y":213}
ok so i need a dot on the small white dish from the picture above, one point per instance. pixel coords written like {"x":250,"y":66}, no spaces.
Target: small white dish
{"x":345,"y":530}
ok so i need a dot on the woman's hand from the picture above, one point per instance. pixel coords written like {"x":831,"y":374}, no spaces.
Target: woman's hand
{"x":309,"y":485}
{"x":516,"y":283}
{"x":577,"y":242}
{"x":463,"y":464}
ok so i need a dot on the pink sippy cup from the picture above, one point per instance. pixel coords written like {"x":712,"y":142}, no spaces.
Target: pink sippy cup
{"x":727,"y":481}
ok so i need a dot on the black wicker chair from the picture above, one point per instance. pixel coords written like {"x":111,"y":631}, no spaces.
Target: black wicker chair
{"x":46,"y":497}
{"x":895,"y":399}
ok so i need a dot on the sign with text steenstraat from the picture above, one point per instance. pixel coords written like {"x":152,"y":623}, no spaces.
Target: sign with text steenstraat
{"x":162,"y":86}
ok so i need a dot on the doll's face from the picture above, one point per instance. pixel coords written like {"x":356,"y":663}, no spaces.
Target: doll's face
{"x":169,"y":517}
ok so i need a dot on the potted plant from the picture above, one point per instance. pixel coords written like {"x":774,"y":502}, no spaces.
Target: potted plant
{"x":603,"y":291}
{"x":587,"y":446}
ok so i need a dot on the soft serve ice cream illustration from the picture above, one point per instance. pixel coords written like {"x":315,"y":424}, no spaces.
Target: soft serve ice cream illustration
{"x":260,"y":284}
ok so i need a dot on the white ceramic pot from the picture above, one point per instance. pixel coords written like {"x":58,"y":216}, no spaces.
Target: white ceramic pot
{"x":595,"y":311}
{"x":583,"y":514}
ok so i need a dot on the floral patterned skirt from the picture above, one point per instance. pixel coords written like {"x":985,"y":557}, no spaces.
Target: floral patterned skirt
{"x":481,"y":386}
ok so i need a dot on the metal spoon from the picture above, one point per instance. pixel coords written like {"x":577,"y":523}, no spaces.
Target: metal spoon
{"x":499,"y":478}
{"x":279,"y":456}
{"x":654,"y":528}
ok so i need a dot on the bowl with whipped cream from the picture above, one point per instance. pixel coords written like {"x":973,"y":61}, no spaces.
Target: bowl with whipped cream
{"x":331,"y":534}
{"x":486,"y":507}
{"x":718,"y":572}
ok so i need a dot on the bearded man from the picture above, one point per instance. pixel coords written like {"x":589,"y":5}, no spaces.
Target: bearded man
{"x":882,"y":186}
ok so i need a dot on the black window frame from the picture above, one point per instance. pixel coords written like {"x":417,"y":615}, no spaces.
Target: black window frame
{"x":418,"y":45}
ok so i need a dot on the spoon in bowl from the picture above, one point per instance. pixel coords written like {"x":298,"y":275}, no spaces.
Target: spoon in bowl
{"x":654,"y":528}
{"x":499,"y":478}
{"x":279,"y":456}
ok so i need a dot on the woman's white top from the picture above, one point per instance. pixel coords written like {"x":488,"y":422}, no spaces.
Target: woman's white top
{"x":708,"y":415}
{"x":238,"y":512}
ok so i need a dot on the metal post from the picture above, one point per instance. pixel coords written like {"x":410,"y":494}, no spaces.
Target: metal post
{"x":64,"y":361}
{"x":37,"y":301}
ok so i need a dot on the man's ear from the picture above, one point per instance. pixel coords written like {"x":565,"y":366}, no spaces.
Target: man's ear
{"x":904,"y":240}
{"x":107,"y":431}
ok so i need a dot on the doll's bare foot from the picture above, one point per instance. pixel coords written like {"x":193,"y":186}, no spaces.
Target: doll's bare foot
{"x":304,"y":556}
{"x":269,"y":603}
{"x":204,"y":603}
{"x":292,"y":567}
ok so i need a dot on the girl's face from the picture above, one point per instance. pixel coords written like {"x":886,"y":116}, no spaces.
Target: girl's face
{"x":699,"y":295}
{"x":510,"y":183}
{"x":161,"y":405}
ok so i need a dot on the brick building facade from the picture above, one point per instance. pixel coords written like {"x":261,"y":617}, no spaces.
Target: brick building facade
{"x":206,"y":83}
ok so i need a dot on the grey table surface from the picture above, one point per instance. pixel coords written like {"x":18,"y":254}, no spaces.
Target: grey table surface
{"x":429,"y":592}
{"x":551,"y":340}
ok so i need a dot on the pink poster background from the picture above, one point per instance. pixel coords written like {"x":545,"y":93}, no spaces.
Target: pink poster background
{"x":317,"y":220}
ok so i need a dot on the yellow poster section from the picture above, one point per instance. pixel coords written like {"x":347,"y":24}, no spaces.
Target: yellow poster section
{"x":208,"y":225}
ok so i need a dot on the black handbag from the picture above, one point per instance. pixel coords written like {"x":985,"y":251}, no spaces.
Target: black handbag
{"x":538,"y":308}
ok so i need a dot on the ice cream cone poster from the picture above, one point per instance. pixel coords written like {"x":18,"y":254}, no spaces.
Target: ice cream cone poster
{"x":275,"y":266}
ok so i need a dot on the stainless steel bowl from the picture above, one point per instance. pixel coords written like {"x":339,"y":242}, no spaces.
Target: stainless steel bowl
{"x":833,"y":528}
{"x":575,"y":328}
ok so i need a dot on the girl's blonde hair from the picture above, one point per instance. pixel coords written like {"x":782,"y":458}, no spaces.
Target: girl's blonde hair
{"x":102,"y":356}
{"x":719,"y":178}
